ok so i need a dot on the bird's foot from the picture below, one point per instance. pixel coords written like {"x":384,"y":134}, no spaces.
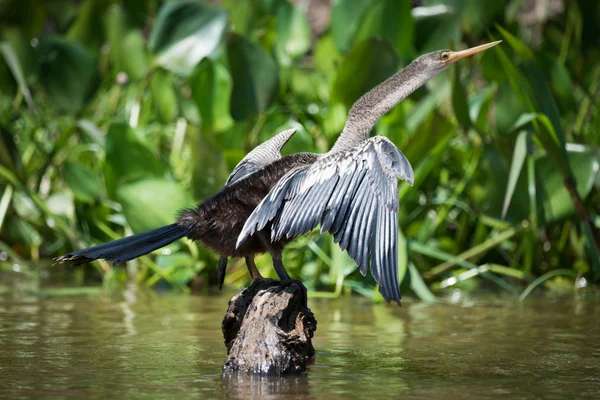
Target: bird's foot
{"x":302,"y":287}
{"x":260,"y":280}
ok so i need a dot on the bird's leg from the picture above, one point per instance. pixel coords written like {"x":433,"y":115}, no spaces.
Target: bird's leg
{"x":281,"y":272}
{"x":254,"y":272}
{"x":284,"y":277}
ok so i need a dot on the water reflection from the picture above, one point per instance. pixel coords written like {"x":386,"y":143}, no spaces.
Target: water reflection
{"x":143,"y":344}
{"x":244,"y":386}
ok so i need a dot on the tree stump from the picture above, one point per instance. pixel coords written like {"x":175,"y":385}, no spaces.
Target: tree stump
{"x":268,"y":329}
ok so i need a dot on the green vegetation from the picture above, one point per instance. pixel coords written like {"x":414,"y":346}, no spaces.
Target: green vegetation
{"x":115,"y":114}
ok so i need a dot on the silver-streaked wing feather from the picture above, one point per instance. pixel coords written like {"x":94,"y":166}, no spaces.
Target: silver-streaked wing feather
{"x":261,"y":156}
{"x":352,"y":194}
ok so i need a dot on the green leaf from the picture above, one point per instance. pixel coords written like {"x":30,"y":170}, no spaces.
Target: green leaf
{"x":184,"y":33}
{"x":367,"y":65}
{"x":209,"y":171}
{"x":418,"y":285}
{"x":327,"y":58}
{"x":128,"y":47}
{"x":293,"y":33}
{"x":128,"y":157}
{"x":459,"y":101}
{"x":519,"y":47}
{"x":152,"y":203}
{"x":17,"y":71}
{"x":437,"y":32}
{"x":244,"y":14}
{"x":556,"y":201}
{"x":402,"y":256}
{"x":211,"y":90}
{"x":163,"y":95}
{"x":519,"y":155}
{"x":390,"y":19}
{"x":85,"y":28}
{"x":83,"y":181}
{"x":255,"y":78}
{"x":67,"y":72}
{"x":543,"y":278}
{"x":346,"y":16}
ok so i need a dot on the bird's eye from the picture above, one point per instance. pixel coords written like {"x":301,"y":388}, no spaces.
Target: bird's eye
{"x":445,"y":56}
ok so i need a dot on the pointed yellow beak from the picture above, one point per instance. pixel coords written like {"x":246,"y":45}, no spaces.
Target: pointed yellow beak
{"x":459,"y":55}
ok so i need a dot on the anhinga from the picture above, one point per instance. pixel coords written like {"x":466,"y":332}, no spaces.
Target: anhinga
{"x":351,"y":191}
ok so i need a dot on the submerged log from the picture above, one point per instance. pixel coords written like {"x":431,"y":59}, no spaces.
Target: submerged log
{"x":268,"y":329}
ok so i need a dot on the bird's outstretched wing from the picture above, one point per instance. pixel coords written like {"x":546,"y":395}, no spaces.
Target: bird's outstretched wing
{"x":353,"y":194}
{"x":261,"y":156}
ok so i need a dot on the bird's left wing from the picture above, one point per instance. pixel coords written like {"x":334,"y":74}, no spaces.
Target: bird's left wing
{"x":261,"y":156}
{"x":353,"y":194}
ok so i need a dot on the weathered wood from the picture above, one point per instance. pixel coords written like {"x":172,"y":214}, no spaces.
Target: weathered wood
{"x":268,"y":329}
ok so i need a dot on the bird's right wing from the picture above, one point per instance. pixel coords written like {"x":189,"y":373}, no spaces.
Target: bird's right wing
{"x":261,"y":156}
{"x":352,"y":194}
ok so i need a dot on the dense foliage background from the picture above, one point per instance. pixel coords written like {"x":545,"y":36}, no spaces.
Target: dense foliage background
{"x":115,"y":114}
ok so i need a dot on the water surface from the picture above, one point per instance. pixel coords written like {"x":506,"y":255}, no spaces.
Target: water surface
{"x":140,"y":344}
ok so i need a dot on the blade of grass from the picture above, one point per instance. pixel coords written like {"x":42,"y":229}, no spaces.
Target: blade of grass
{"x":417,"y":285}
{"x":4,"y":203}
{"x":452,"y":260}
{"x":15,"y":67}
{"x":543,"y":278}
{"x":475,"y":251}
{"x":519,"y":155}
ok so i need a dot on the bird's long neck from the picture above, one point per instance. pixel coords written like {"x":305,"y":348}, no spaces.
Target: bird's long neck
{"x":367,"y":110}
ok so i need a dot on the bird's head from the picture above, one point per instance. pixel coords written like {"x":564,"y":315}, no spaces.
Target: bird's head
{"x":440,"y":60}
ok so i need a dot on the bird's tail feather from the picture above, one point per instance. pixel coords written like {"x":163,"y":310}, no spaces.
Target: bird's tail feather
{"x":128,"y":248}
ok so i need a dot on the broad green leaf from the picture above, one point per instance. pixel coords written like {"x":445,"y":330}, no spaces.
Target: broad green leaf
{"x":184,"y":33}
{"x":163,"y":95}
{"x":152,"y":203}
{"x":211,"y":90}
{"x":346,"y":16}
{"x":255,"y":78}
{"x":128,"y":157}
{"x":293,"y":33}
{"x":244,"y":14}
{"x":327,"y":58}
{"x":67,"y":72}
{"x":128,"y":47}
{"x":519,"y":155}
{"x":83,"y":181}
{"x":390,"y":19}
{"x":209,"y":170}
{"x":367,"y":65}
{"x":459,"y":101}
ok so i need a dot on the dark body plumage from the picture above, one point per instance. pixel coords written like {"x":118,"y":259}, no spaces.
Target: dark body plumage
{"x":218,"y":221}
